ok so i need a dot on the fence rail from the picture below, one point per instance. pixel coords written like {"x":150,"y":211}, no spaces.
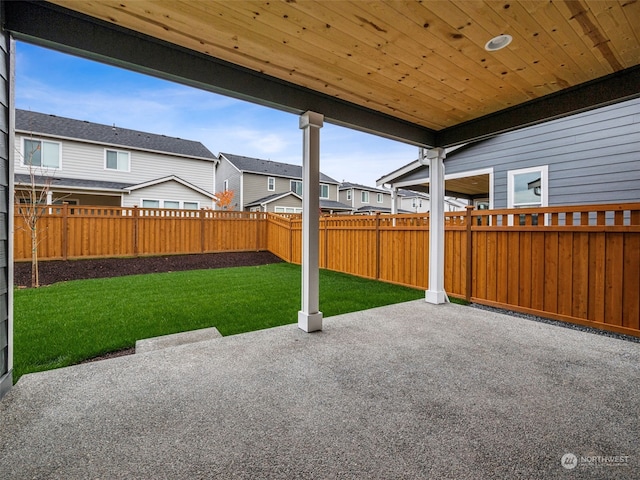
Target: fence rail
{"x":578,"y":263}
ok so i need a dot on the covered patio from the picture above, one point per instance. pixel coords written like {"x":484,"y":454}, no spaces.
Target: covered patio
{"x":412,"y":390}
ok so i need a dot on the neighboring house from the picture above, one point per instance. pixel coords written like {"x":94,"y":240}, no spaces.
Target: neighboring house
{"x":267,"y":186}
{"x":92,"y":164}
{"x":363,"y":199}
{"x":411,"y":201}
{"x":588,"y":158}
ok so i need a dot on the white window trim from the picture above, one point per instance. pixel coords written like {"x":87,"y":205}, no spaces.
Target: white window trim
{"x":162,"y":202}
{"x":225,"y":185}
{"x":279,"y":209}
{"x":362,"y":195}
{"x":544,"y":183}
{"x":271,"y":184}
{"x":128,"y":170}
{"x":349,"y":194}
{"x":37,"y":139}
{"x":380,"y":197}
{"x":291,"y":182}
{"x":328,"y":191}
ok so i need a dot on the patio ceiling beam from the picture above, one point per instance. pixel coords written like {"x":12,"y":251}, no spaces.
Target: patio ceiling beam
{"x":61,"y":29}
{"x":613,"y":88}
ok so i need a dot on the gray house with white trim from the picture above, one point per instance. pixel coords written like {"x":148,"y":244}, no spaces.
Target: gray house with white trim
{"x":588,"y":158}
{"x":268,"y":186}
{"x":86,"y":163}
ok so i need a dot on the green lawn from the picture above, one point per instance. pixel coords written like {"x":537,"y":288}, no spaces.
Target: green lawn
{"x":66,"y":323}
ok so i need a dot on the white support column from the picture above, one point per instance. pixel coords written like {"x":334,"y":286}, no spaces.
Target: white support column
{"x":310,"y":318}
{"x":394,"y":200}
{"x":435,"y":293}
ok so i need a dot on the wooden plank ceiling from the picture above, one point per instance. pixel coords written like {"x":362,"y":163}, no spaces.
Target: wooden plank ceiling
{"x":423,"y":62}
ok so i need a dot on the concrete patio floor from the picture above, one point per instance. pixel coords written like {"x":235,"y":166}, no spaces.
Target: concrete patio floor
{"x":406,"y":391}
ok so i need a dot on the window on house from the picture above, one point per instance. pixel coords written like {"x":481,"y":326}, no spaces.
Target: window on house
{"x":271,"y":184}
{"x":528,"y":187}
{"x":171,"y":204}
{"x":349,"y":194}
{"x":296,"y":187}
{"x":226,"y":186}
{"x":287,"y":210}
{"x":40,"y":153}
{"x":191,"y":206}
{"x":380,"y":198}
{"x":324,"y":190}
{"x":117,"y":160}
{"x":151,"y":203}
{"x":365,"y":197}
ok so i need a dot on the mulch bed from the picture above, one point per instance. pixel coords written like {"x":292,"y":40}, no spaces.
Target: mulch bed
{"x":55,"y":271}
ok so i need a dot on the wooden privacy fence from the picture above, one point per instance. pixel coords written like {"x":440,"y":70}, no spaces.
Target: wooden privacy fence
{"x":69,"y":232}
{"x":579,"y":264}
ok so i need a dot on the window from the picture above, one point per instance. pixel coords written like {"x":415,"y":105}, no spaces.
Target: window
{"x":296,"y":187}
{"x":380,"y":198}
{"x":271,"y":184}
{"x":349,"y":194}
{"x":116,"y":160}
{"x":226,"y":186}
{"x":365,"y":197}
{"x":150,"y":203}
{"x":528,"y":187}
{"x":324,"y":190}
{"x":287,"y":210}
{"x":172,"y":204}
{"x":40,"y":153}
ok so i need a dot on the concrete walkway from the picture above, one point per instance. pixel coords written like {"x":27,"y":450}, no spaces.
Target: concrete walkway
{"x":406,"y":391}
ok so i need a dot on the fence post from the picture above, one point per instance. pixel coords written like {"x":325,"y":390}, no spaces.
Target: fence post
{"x":135,"y":230}
{"x":202,"y":213}
{"x":377,"y":245}
{"x":290,"y":239}
{"x":469,"y":285}
{"x":326,"y":242}
{"x":65,"y":230}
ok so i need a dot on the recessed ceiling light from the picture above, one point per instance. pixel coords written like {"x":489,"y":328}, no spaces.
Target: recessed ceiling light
{"x":498,"y":43}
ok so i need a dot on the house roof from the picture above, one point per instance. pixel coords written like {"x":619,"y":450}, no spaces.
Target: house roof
{"x":171,"y":178}
{"x":272,"y":198}
{"x":333,"y":205}
{"x":52,"y":125}
{"x":412,"y":193}
{"x":349,"y":185}
{"x":75,"y":183}
{"x":269,"y":167}
{"x":99,"y":185}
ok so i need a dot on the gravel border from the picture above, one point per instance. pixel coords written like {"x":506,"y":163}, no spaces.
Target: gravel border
{"x":558,"y":323}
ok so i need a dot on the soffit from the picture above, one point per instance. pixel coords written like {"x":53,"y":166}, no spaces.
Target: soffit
{"x":421,"y":62}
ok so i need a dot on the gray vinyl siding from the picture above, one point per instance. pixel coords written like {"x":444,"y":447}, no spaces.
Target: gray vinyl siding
{"x":6,"y":281}
{"x":288,"y":201}
{"x":255,"y":187}
{"x":171,"y":190}
{"x":356,"y":199}
{"x":593,"y":157}
{"x":226,"y":171}
{"x":87,"y":161}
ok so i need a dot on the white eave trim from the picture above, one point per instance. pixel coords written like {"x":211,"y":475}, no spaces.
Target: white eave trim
{"x":171,"y":178}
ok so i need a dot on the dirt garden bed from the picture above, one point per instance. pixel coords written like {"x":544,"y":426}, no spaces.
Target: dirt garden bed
{"x":55,"y":271}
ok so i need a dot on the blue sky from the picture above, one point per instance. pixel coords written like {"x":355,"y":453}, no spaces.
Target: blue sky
{"x":68,"y":86}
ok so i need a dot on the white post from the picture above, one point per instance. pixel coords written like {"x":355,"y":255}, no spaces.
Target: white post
{"x":310,"y":318}
{"x":394,"y":200}
{"x":435,"y":293}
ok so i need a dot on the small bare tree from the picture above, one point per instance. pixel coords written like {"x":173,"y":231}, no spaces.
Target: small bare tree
{"x":31,"y":200}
